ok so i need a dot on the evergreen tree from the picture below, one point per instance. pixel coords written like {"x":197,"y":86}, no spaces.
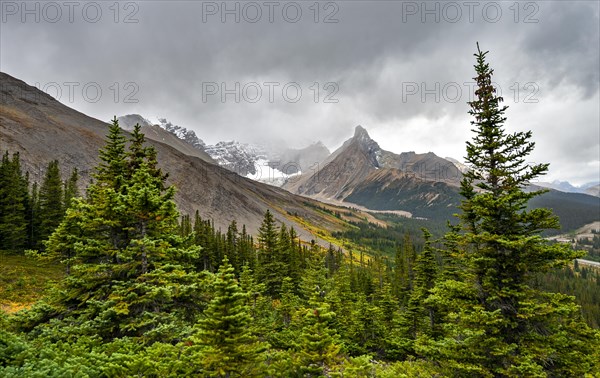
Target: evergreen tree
{"x":294,"y":259}
{"x":269,"y":266}
{"x":112,"y":169}
{"x":403,"y":273}
{"x":365,"y":327}
{"x":341,"y":298}
{"x":139,"y":153}
{"x":14,"y":201}
{"x":70,"y":189}
{"x":185,"y":226}
{"x":392,"y":345}
{"x":34,"y":219}
{"x":51,"y":200}
{"x":314,"y":276}
{"x":331,"y":261}
{"x":496,"y":324}
{"x":202,"y":235}
{"x":267,"y":234}
{"x":246,"y":251}
{"x":231,"y":245}
{"x":229,"y":348}
{"x":419,"y":318}
{"x":129,"y":271}
{"x":319,"y":348}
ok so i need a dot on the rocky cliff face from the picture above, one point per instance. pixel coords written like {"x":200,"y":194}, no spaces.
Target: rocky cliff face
{"x":188,"y":136}
{"x":241,"y":158}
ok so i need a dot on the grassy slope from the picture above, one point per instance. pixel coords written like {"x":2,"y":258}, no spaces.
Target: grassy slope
{"x":23,"y":280}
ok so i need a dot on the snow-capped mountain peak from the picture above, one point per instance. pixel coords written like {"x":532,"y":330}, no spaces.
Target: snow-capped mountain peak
{"x":182,"y":133}
{"x":237,"y":157}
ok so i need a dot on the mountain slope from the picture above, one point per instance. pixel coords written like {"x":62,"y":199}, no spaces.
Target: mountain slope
{"x":339,"y":173}
{"x":392,"y":189}
{"x":263,"y":163}
{"x":593,"y":190}
{"x":270,"y":165}
{"x":42,"y":129}
{"x":163,"y":135}
{"x":573,"y":209}
{"x":361,"y":172}
{"x":241,"y":158}
{"x":425,"y":185}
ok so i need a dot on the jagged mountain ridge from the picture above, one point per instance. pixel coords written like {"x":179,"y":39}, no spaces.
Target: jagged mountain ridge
{"x":591,"y":188}
{"x":42,"y":129}
{"x":425,"y":185}
{"x":270,"y":165}
{"x":127,"y":122}
{"x":182,"y":133}
{"x":160,"y":134}
{"x":264,"y":163}
{"x":361,"y":169}
{"x":241,"y":158}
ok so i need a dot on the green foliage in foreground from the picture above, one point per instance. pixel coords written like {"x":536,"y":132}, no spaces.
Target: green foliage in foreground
{"x":23,"y":280}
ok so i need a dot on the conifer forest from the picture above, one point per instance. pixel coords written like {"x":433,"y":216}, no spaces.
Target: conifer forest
{"x":130,"y":286}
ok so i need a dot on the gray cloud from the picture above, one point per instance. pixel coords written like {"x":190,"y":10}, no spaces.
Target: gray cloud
{"x":374,"y":54}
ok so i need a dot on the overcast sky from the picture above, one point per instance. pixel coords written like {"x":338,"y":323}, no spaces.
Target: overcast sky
{"x":401,"y":69}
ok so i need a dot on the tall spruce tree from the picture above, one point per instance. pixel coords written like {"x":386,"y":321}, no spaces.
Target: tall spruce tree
{"x":34,"y":218}
{"x":228,"y":347}
{"x":139,"y":153}
{"x":496,"y":324}
{"x":14,"y":201}
{"x":319,"y":346}
{"x":269,"y":264}
{"x":231,"y":245}
{"x":267,"y":234}
{"x":112,"y":168}
{"x":126,"y":261}
{"x":51,"y":200}
{"x":403,"y":272}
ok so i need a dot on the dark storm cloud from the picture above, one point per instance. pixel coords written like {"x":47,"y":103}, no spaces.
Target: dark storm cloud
{"x":567,"y":46}
{"x":387,"y":69}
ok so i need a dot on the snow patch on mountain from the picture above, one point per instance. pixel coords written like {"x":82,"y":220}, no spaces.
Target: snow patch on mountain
{"x":240,"y":158}
{"x":273,"y":165}
{"x":266,"y":172}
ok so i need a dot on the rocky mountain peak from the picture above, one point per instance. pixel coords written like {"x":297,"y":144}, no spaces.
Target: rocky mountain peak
{"x":360,"y":132}
{"x":319,"y":144}
{"x":241,"y":158}
{"x":367,"y":145}
{"x":362,"y":136}
{"x":127,"y":122}
{"x":182,"y":133}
